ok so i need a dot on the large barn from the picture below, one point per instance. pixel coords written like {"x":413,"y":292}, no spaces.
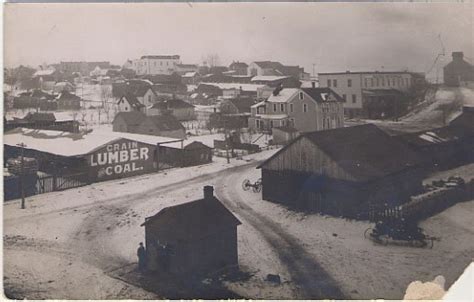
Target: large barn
{"x":192,"y":238}
{"x":342,"y":171}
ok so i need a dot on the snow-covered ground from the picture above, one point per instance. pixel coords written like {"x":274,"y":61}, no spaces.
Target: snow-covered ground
{"x":94,"y":230}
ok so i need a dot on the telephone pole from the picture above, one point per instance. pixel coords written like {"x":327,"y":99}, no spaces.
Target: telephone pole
{"x":22,"y":172}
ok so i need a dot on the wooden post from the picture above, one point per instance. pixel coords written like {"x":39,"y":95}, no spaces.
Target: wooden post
{"x":22,"y":182}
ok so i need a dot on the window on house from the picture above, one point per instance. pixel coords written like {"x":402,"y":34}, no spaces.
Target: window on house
{"x":329,"y":83}
{"x":383,"y":81}
{"x":301,"y":95}
{"x":282,"y":107}
{"x":349,"y":82}
{"x":149,"y":99}
{"x":291,"y":107}
{"x":274,"y":107}
{"x":305,"y":107}
{"x":334,"y":83}
{"x":407,"y":83}
{"x":377,"y":82}
{"x":354,"y":98}
{"x":344,"y":97}
{"x":371,"y":82}
{"x":366,"y":81}
{"x":271,"y":124}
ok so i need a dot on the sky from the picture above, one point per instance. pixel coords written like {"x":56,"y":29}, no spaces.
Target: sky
{"x":324,"y":37}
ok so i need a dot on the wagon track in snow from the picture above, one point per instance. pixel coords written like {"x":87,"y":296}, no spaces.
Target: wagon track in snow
{"x":313,"y":281}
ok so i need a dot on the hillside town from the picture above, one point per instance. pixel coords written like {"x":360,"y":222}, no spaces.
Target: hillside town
{"x":163,"y":178}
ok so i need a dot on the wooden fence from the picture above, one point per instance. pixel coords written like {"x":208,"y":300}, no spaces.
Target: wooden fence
{"x":425,"y":205}
{"x":52,"y":183}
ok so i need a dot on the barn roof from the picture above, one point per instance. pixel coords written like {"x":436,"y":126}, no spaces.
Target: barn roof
{"x":130,"y":118}
{"x":73,"y":144}
{"x":363,"y":151}
{"x":195,"y":219}
{"x":165,"y":122}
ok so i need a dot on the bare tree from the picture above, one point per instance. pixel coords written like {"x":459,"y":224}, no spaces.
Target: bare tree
{"x":211,"y":60}
{"x":105,"y":95}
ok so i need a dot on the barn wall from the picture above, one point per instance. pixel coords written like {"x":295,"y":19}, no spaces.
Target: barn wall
{"x":304,"y":156}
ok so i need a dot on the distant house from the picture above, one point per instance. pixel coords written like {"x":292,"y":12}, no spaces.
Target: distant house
{"x":305,"y":109}
{"x":129,"y":102}
{"x":342,"y":171}
{"x":192,"y":238}
{"x":185,"y":68}
{"x":44,"y":121}
{"x":270,"y":68}
{"x":239,"y":68}
{"x":128,"y":121}
{"x":47,"y":78}
{"x":191,"y":78}
{"x":162,"y":125}
{"x":275,"y":81}
{"x":68,"y":101}
{"x":458,"y":72}
{"x":141,"y":89}
{"x":61,"y":86}
{"x":180,"y":109}
{"x":234,"y":113}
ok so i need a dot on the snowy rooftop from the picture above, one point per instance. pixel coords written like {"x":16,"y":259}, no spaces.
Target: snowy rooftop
{"x":268,"y":78}
{"x":272,"y":116}
{"x":245,"y":87}
{"x":43,"y":72}
{"x":283,"y":96}
{"x":72,"y":144}
{"x":189,"y":74}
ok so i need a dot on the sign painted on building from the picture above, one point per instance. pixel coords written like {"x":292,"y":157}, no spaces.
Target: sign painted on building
{"x":122,"y":158}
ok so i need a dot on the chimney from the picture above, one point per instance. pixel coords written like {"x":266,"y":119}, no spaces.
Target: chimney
{"x":208,"y":192}
{"x":458,"y":55}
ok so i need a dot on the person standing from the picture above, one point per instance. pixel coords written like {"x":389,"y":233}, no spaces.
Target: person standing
{"x":141,"y":253}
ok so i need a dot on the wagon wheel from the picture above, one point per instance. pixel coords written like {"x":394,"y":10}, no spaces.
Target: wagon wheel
{"x":367,"y":233}
{"x":257,"y":187}
{"x":246,"y":185}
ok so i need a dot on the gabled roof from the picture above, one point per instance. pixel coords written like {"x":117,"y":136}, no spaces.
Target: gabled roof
{"x":268,"y":64}
{"x":165,"y":122}
{"x":66,"y":95}
{"x":132,"y":101}
{"x":37,"y":93}
{"x":365,"y":152}
{"x":284,"y":96}
{"x":194,"y":220}
{"x":132,"y":118}
{"x":321,"y":94}
{"x":172,"y":104}
{"x":139,"y":90}
{"x":243,"y":105}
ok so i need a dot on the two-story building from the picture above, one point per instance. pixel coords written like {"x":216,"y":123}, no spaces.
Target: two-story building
{"x":305,"y":109}
{"x":156,"y":64}
{"x":358,"y":89}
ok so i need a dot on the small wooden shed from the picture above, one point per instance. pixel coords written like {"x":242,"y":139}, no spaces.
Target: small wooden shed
{"x":195,"y":238}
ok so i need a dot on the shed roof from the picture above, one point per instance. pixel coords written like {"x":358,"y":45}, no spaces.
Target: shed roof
{"x":437,"y":136}
{"x":365,"y":151}
{"x":195,"y":219}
